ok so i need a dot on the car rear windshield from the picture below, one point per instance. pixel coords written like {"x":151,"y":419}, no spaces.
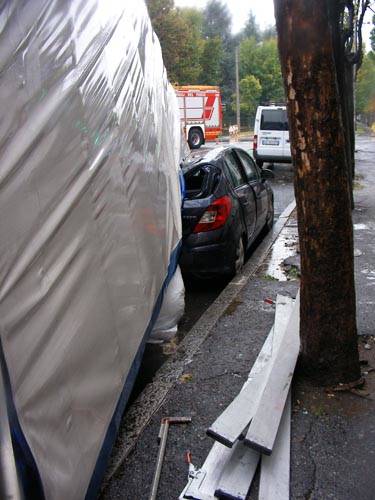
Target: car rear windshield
{"x":200,"y":181}
{"x":274,"y":119}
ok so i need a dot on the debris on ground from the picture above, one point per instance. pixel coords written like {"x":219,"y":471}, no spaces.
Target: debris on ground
{"x":262,"y":411}
{"x":186,"y":377}
{"x":267,"y":300}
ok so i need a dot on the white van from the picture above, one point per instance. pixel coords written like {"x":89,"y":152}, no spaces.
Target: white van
{"x":271,"y":135}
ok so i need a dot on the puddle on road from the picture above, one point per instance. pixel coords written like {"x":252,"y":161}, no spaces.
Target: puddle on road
{"x":360,"y":226}
{"x":284,"y":247}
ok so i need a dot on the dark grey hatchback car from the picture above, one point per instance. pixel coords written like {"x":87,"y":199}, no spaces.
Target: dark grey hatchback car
{"x":227,"y":204}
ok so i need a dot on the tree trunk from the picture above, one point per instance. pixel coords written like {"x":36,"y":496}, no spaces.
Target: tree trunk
{"x":344,"y":72}
{"x":328,"y":316}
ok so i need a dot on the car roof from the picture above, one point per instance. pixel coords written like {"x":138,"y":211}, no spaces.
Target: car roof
{"x":211,"y":156}
{"x":274,"y":106}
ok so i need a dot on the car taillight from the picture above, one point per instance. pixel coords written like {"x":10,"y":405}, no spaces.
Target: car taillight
{"x":255,"y":142}
{"x":215,"y":215}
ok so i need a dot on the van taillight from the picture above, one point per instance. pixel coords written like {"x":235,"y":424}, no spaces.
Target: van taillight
{"x":255,"y":142}
{"x":215,"y":215}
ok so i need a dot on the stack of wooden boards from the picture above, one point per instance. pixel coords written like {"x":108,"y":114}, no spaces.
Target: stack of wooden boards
{"x":256,"y":425}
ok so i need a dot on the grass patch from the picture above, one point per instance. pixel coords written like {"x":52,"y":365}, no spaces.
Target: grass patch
{"x":357,"y":186}
{"x":294,"y":273}
{"x":268,"y":277}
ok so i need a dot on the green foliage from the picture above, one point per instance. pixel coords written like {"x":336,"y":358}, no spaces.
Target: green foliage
{"x":190,"y":68}
{"x":251,"y":29}
{"x":250,"y":92}
{"x":198,"y":48}
{"x":372,"y":34}
{"x":262,"y":61}
{"x":365,"y":87}
{"x":179,"y":39}
{"x":269,"y":32}
{"x":212,"y":55}
{"x":217,"y":21}
{"x":158,"y":9}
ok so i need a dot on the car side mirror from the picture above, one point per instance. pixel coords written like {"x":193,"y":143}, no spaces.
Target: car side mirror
{"x":267,"y":174}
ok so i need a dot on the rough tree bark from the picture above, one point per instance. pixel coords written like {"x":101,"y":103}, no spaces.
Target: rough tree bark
{"x":328,"y":313}
{"x":345,"y":75}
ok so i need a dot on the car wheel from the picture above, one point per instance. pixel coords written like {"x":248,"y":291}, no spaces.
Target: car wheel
{"x":195,"y":139}
{"x":239,"y":257}
{"x":259,"y":163}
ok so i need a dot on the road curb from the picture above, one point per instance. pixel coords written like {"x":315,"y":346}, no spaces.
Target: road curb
{"x":154,"y":394}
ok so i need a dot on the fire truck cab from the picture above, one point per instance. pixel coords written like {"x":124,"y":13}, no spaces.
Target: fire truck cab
{"x":201,"y":113}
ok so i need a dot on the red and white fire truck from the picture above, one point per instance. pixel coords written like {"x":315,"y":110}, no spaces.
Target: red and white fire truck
{"x":201,"y":113}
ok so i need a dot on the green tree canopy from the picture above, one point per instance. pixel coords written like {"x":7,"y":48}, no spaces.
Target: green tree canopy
{"x":372,"y":34}
{"x":250,"y":92}
{"x":262,"y":61}
{"x":251,"y":29}
{"x":211,"y":58}
{"x":198,"y":48}
{"x":365,"y":88}
{"x":217,"y":21}
{"x":179,"y":39}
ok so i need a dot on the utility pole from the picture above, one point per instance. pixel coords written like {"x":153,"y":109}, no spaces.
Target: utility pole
{"x":238,"y":92}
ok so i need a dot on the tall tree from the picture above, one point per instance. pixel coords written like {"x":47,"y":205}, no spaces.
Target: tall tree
{"x":372,"y":34}
{"x":250,"y":91}
{"x":346,"y":18}
{"x":217,"y":21}
{"x":269,"y":32}
{"x":328,"y":312}
{"x":365,"y":89}
{"x":179,"y":40}
{"x":190,"y":69}
{"x":262,"y":61}
{"x":211,"y":58}
{"x":251,"y":29}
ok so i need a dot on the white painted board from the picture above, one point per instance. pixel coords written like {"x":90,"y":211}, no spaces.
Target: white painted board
{"x":263,"y":428}
{"x":275,"y":469}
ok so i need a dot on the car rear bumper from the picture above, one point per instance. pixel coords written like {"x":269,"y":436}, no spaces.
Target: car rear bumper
{"x":272,"y":158}
{"x":216,"y":258}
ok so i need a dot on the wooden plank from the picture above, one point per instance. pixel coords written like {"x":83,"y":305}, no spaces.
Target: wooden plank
{"x":232,"y":422}
{"x":204,"y":485}
{"x":263,"y":428}
{"x":275,"y":469}
{"x":238,"y":473}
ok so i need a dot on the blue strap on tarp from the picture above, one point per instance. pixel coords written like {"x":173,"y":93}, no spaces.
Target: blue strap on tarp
{"x":182,"y":185}
{"x":25,"y":462}
{"x":101,"y":463}
{"x":27,"y":470}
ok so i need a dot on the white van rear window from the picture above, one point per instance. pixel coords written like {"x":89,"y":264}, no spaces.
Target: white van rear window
{"x":274,"y":119}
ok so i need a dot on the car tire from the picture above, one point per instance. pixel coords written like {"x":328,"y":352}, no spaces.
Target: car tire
{"x":259,"y":163}
{"x":195,"y":139}
{"x":239,"y":257}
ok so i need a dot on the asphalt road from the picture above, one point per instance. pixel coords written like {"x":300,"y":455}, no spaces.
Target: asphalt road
{"x":332,"y":441}
{"x":200,"y":295}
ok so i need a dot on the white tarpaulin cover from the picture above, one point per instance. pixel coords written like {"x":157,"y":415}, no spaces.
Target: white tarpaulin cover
{"x":89,"y":222}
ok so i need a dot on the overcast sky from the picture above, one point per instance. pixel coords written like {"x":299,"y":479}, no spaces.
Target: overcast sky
{"x":263,"y":10}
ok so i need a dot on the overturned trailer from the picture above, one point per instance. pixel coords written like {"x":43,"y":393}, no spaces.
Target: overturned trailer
{"x":90,"y":227}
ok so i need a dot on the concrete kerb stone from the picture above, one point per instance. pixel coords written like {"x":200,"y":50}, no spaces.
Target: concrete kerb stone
{"x":151,"y":399}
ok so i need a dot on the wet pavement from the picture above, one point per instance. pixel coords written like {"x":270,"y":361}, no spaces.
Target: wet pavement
{"x":333,"y":433}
